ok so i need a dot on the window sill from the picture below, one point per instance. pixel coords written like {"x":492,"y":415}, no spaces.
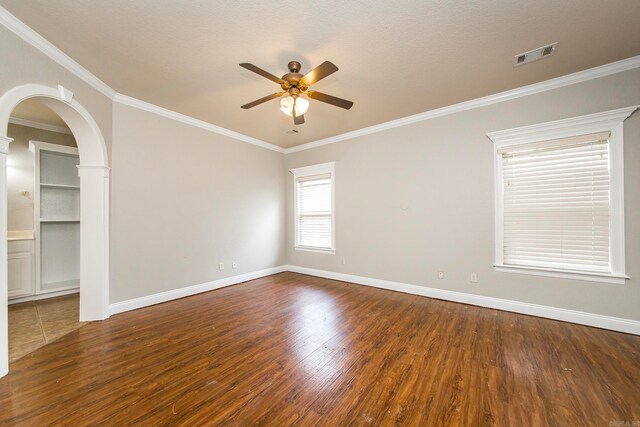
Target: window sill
{"x":312,"y":249}
{"x":563,"y":274}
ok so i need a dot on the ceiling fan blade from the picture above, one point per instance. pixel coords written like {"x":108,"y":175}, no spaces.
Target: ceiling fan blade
{"x":319,"y":73}
{"x":338,"y":102}
{"x":262,"y":72}
{"x":261,"y":100}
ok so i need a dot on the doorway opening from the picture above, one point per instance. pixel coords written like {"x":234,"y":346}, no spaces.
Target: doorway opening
{"x":43,"y":229}
{"x":73,"y":202}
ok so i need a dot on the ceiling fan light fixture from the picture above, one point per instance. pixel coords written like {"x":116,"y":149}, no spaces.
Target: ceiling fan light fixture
{"x":293,"y":85}
{"x":287,"y":102}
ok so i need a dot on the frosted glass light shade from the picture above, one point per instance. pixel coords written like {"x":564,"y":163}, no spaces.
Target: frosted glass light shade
{"x":286,"y":105}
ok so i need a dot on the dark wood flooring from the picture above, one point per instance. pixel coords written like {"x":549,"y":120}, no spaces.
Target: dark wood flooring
{"x":291,"y":349}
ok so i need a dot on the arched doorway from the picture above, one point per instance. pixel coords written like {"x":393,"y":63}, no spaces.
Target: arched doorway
{"x":94,"y":202}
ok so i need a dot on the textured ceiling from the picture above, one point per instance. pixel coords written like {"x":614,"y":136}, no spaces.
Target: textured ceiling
{"x":396,"y":58}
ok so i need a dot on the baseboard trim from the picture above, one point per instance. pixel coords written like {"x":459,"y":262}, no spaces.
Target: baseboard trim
{"x":38,"y":297}
{"x":597,"y":320}
{"x":133,"y":304}
{"x":572,"y":316}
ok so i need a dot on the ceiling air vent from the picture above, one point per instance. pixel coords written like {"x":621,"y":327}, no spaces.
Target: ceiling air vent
{"x":292,"y":132}
{"x":535,"y":54}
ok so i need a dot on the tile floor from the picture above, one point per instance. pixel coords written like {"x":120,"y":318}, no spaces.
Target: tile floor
{"x":34,"y":324}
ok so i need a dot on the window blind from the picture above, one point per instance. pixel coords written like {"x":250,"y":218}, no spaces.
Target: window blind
{"x":556,"y":211}
{"x":314,"y":214}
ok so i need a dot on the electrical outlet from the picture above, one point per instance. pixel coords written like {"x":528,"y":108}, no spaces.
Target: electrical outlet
{"x":474,"y":278}
{"x":234,"y":265}
{"x":221,"y":266}
{"x":344,"y":261}
{"x":440,"y":274}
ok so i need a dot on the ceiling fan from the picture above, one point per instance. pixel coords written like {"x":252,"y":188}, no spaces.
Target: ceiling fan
{"x":294,"y":84}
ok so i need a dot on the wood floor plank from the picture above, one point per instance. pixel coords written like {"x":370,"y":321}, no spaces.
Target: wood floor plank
{"x":291,"y":349}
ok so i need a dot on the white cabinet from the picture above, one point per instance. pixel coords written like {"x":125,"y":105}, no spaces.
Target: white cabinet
{"x":20,"y":268}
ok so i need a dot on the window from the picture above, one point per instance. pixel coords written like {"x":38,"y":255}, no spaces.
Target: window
{"x":314,"y":207}
{"x":556,"y":208}
{"x":559,"y":198}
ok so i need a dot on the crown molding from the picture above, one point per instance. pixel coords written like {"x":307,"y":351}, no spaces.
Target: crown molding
{"x":30,"y":36}
{"x":39,"y":125}
{"x":142,"y":105}
{"x":27,"y":34}
{"x":558,"y":82}
{"x":33,"y":38}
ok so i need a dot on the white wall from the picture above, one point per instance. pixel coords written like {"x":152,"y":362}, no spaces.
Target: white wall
{"x":417,"y":199}
{"x":20,"y":174}
{"x":184,"y":199}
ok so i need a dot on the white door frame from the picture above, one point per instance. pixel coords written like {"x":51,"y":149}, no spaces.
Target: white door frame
{"x":94,"y":203}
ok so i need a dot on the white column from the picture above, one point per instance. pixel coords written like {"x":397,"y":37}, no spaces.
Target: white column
{"x":94,"y":242}
{"x":4,"y":309}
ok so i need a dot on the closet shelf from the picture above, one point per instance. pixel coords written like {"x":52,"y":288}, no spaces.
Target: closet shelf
{"x":70,"y":187}
{"x":56,"y":217}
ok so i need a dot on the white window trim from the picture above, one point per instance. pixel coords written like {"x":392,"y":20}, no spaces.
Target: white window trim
{"x":320,"y":169}
{"x":608,"y":121}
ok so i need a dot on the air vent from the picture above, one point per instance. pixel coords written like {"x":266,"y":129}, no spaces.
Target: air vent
{"x":534,"y":55}
{"x":548,"y":50}
{"x":292,"y":132}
